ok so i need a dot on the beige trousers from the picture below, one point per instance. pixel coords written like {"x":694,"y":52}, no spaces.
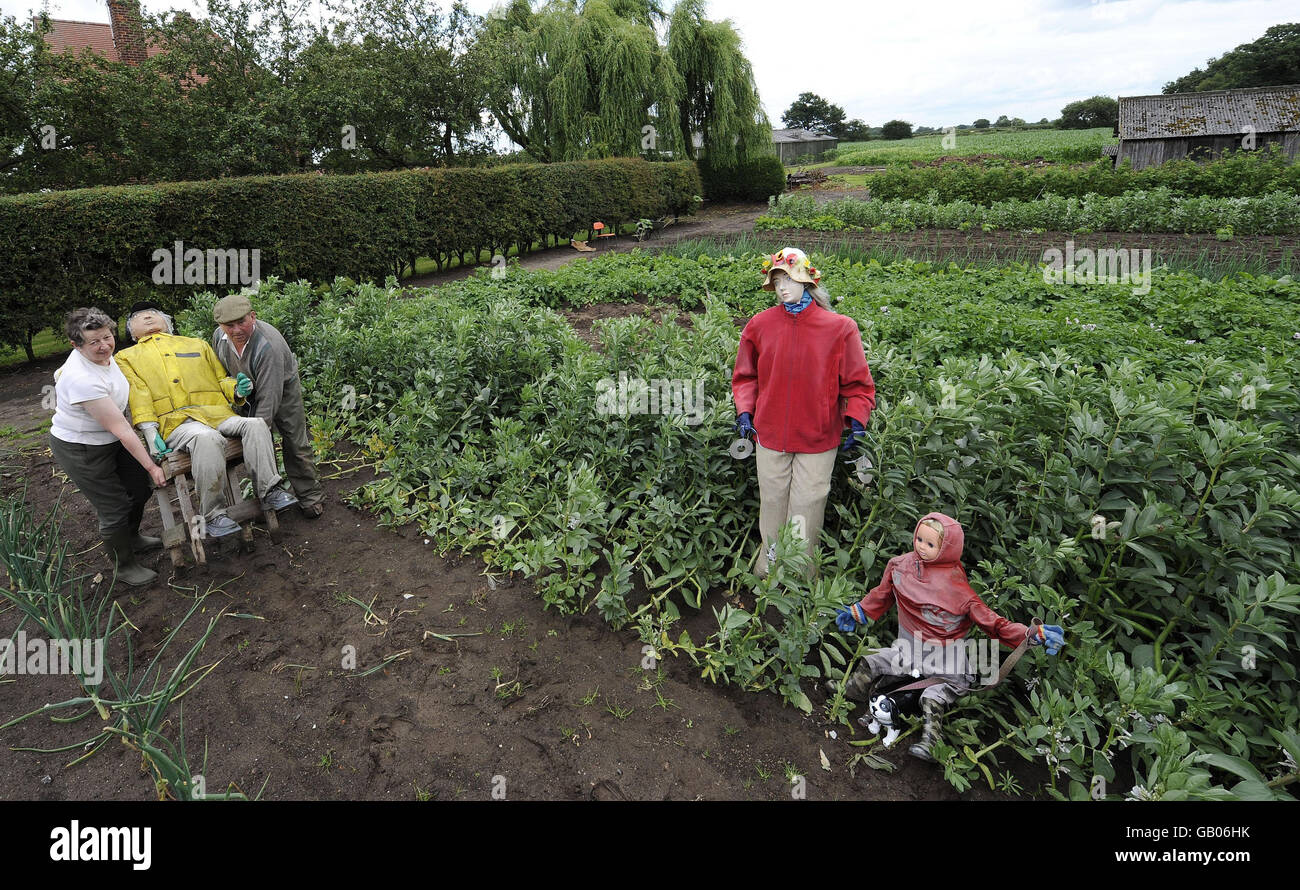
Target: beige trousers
{"x":206,"y":447}
{"x":790,"y":485}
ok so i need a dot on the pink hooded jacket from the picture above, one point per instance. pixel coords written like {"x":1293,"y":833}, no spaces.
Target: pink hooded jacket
{"x":935,"y":601}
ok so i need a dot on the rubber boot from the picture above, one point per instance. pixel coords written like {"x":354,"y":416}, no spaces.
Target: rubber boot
{"x":128,"y":570}
{"x":144,"y":542}
{"x":930,"y":735}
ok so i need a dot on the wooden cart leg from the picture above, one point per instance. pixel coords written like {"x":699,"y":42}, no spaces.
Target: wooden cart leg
{"x":171,"y":530}
{"x":193,"y":521}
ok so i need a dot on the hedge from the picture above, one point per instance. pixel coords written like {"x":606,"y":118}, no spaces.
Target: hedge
{"x":1239,"y":175}
{"x":59,"y":250}
{"x":754,"y":180}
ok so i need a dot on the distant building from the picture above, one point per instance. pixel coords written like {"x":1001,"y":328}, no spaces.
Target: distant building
{"x":121,"y":39}
{"x":794,"y":143}
{"x":1155,"y":129}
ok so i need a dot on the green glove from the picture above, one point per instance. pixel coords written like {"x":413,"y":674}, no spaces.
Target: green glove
{"x":243,"y":385}
{"x":157,"y":444}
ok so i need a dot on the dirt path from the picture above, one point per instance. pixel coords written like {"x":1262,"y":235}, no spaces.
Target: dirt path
{"x":444,"y":720}
{"x":711,"y":222}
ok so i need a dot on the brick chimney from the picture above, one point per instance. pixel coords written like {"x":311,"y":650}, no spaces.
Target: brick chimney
{"x":128,"y":33}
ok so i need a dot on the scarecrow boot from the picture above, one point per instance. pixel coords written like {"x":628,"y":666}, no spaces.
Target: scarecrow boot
{"x":933,"y":712}
{"x":128,"y":570}
{"x":858,"y":687}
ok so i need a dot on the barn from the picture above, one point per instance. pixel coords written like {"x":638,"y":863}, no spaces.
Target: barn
{"x":1155,"y":129}
{"x":794,"y":143}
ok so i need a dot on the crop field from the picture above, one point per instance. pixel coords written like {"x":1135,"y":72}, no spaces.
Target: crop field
{"x":1055,"y":146}
{"x":1158,"y":210}
{"x":1124,"y":463}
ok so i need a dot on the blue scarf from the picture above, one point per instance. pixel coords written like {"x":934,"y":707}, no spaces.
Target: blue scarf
{"x":796,"y":308}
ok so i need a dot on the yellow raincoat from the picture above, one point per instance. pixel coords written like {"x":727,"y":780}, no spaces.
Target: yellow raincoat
{"x":174,"y":379}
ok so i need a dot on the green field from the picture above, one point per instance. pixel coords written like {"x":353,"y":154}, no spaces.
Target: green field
{"x":1123,"y":463}
{"x":1062,"y":146}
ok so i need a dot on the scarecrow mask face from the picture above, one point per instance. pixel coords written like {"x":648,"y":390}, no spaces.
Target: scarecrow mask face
{"x":146,"y":322}
{"x":789,"y":290}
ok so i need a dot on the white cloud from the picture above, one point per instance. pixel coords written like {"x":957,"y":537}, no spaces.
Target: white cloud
{"x":939,"y":62}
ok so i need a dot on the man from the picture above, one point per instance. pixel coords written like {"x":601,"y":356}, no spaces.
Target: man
{"x":247,"y":345}
{"x":181,"y":400}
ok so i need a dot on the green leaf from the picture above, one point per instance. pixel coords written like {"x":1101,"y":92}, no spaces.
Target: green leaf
{"x":800,"y":701}
{"x":1150,"y":555}
{"x":1235,"y":765}
{"x":1102,"y":767}
{"x":1256,"y":789}
{"x":1289,"y":741}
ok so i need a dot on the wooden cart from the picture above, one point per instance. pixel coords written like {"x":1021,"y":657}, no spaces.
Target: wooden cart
{"x":179,"y":496}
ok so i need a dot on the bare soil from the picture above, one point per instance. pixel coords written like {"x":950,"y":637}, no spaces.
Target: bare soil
{"x":445,"y":721}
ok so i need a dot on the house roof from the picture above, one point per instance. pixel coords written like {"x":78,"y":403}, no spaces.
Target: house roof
{"x":1212,"y":113}
{"x":796,"y":134}
{"x":68,"y":36}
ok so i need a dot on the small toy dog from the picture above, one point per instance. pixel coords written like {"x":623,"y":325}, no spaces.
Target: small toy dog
{"x":883,"y":711}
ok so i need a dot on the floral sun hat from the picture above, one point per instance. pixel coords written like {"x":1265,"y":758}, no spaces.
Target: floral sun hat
{"x":795,"y":263}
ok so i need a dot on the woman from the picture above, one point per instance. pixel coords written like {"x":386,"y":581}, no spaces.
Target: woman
{"x":93,"y":442}
{"x":801,"y":376}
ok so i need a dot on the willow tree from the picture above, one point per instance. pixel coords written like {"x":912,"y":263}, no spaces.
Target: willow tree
{"x":592,"y":79}
{"x":719,"y":100}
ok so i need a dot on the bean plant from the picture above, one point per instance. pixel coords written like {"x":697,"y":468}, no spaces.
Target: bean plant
{"x":1124,"y":464}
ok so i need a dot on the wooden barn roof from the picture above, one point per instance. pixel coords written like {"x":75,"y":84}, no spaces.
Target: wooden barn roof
{"x":1213,"y":113}
{"x":795,"y":134}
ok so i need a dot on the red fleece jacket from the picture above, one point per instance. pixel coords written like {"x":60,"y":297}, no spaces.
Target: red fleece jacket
{"x":935,"y":601}
{"x":801,"y":377}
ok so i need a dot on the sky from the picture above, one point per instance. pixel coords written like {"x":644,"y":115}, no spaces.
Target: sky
{"x":942,"y":62}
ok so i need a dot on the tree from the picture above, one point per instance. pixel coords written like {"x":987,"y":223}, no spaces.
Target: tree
{"x":982,"y":124}
{"x":382,"y":85}
{"x":1099,"y":111}
{"x":896,"y":129}
{"x":408,"y":80}
{"x":854,"y":131}
{"x":1002,"y":121}
{"x":78,"y":120}
{"x":718,"y":97}
{"x":591,"y":80}
{"x":1272,"y":60}
{"x":812,"y":112}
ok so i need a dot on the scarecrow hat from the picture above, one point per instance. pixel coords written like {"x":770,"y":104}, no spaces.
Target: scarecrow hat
{"x":795,"y":263}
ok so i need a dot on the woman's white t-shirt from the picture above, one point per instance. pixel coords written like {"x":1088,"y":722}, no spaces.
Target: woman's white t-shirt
{"x":81,"y":380}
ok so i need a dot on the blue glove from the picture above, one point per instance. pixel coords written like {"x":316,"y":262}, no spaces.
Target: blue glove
{"x":243,"y":384}
{"x":855,"y":430}
{"x":1050,"y":635}
{"x":848,"y":618}
{"x":745,"y":425}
